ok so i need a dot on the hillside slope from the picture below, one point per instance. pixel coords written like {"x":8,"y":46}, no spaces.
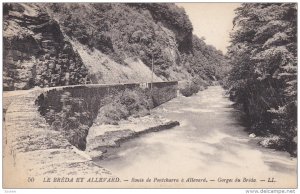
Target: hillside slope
{"x":55,"y":44}
{"x":109,"y":71}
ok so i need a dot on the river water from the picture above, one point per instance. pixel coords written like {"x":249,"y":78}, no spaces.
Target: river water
{"x":209,"y":143}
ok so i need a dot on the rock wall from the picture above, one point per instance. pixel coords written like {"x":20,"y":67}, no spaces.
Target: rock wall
{"x":35,"y":51}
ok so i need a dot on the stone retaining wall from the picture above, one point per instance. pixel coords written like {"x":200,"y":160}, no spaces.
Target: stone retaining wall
{"x":73,"y":109}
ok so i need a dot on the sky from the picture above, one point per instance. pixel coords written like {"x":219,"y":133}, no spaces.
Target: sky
{"x":212,"y":21}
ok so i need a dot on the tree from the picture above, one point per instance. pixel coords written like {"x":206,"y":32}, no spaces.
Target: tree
{"x":263,"y":53}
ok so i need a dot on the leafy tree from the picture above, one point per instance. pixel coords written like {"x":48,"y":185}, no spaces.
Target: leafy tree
{"x":263,"y":55}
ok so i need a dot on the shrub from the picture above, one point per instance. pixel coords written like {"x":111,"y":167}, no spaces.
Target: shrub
{"x":274,"y":142}
{"x":130,"y":102}
{"x":112,"y":113}
{"x":135,"y":101}
{"x":190,"y":88}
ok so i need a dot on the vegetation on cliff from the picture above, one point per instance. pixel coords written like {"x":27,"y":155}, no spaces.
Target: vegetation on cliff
{"x":162,"y":32}
{"x":148,"y":32}
{"x":263,"y":79}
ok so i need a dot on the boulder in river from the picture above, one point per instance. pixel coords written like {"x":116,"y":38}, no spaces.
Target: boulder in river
{"x":252,"y":135}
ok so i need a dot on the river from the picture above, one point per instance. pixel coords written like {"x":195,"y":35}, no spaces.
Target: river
{"x":209,"y":143}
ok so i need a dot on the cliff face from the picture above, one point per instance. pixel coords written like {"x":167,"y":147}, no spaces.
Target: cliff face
{"x":173,"y":18}
{"x":36,"y":52}
{"x":123,"y":31}
{"x":55,"y":44}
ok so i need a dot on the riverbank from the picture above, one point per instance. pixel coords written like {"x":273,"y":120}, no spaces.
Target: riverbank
{"x":103,"y":138}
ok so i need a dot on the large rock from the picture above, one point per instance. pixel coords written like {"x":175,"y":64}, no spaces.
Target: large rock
{"x":33,"y":42}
